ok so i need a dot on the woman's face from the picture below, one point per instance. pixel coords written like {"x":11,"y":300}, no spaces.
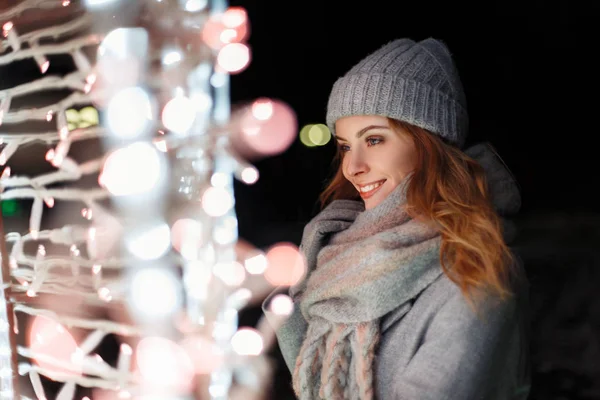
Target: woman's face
{"x":375,"y":159}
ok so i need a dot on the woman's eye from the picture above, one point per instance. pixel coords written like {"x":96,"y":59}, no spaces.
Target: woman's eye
{"x":344,"y":148}
{"x":373,"y":141}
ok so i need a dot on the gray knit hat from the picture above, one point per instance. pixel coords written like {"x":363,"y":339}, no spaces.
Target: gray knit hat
{"x":415,"y":82}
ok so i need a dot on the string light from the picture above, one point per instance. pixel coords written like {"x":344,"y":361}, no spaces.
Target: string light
{"x":106,"y":276}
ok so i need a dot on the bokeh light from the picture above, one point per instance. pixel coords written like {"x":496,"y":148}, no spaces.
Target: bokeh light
{"x":133,"y":169}
{"x":231,"y":273}
{"x":155,"y":293}
{"x":281,"y":304}
{"x":256,"y":264}
{"x":313,"y":135}
{"x":49,"y":338}
{"x":286,"y":266}
{"x":216,"y":201}
{"x":267,"y":127}
{"x":226,"y":230}
{"x":178,"y":114}
{"x":262,"y":109}
{"x":186,"y":237}
{"x":99,"y":3}
{"x":195,"y":5}
{"x":206,"y":355}
{"x":247,"y":342}
{"x":162,"y":363}
{"x":232,"y":26}
{"x":234,"y":57}
{"x":171,"y":56}
{"x":86,"y":117}
{"x":150,"y":243}
{"x":249,"y":175}
{"x":129,"y":113}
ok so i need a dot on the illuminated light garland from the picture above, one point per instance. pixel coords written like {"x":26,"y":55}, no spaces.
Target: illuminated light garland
{"x":209,"y":165}
{"x":41,"y":114}
{"x":26,"y":5}
{"x":104,"y":325}
{"x":54,"y":32}
{"x":40,"y":279}
{"x":52,"y":49}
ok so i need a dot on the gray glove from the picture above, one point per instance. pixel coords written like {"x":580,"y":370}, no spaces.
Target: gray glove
{"x":336,"y":217}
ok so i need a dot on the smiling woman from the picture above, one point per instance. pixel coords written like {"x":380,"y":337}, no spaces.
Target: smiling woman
{"x":412,"y":291}
{"x":375,"y":159}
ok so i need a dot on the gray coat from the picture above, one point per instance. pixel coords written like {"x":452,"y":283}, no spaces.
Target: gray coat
{"x":435,"y":347}
{"x":438,"y":348}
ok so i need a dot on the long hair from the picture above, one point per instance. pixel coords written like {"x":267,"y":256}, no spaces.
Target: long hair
{"x":449,"y":189}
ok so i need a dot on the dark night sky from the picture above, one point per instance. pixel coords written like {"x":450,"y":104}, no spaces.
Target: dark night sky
{"x":528,"y":69}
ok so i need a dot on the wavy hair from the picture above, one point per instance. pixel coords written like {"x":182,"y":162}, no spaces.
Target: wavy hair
{"x":449,"y":189}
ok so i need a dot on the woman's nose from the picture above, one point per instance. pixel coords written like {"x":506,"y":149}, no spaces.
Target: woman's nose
{"x":356,"y":163}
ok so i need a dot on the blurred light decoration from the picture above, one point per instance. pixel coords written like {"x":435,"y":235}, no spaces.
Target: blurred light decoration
{"x":156,"y":246}
{"x":264,"y":128}
{"x":84,"y":118}
{"x":286,"y":266}
{"x":312,"y":135}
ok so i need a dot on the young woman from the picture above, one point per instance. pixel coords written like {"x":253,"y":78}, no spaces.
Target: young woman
{"x":411,"y":290}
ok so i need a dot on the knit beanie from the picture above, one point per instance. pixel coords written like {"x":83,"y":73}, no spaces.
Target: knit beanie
{"x":415,"y":82}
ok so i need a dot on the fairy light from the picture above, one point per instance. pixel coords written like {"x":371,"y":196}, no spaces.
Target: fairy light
{"x":5,"y":173}
{"x":256,"y":264}
{"x":42,"y":61}
{"x":249,"y":175}
{"x":247,"y":342}
{"x":217,"y":201}
{"x":9,"y":32}
{"x":205,"y":238}
{"x":179,"y":114}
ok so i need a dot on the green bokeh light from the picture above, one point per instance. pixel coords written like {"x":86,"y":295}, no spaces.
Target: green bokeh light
{"x":10,"y":208}
{"x":304,"y":136}
{"x":312,"y":135}
{"x":319,"y":134}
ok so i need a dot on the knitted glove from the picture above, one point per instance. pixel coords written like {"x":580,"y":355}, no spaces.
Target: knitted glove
{"x":336,"y":217}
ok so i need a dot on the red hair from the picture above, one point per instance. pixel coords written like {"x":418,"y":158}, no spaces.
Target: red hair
{"x":450,"y":189}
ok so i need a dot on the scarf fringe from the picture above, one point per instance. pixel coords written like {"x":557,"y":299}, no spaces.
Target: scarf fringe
{"x":337,"y":363}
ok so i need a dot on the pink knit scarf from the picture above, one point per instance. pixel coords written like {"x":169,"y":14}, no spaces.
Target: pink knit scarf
{"x":366,"y":264}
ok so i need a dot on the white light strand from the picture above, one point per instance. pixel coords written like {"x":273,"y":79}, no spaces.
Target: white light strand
{"x":60,"y":194}
{"x":35,"y":272}
{"x":41,"y":181}
{"x":103,"y":325}
{"x":39,"y":278}
{"x":25,"y":368}
{"x":67,"y":235}
{"x":52,"y":49}
{"x":67,"y":392}
{"x":41,"y":114}
{"x":76,"y":135}
{"x":53,"y":32}
{"x":79,"y":364}
{"x":25,"y":5}
{"x":36,"y":382}
{"x":73,"y":81}
{"x":60,"y":290}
